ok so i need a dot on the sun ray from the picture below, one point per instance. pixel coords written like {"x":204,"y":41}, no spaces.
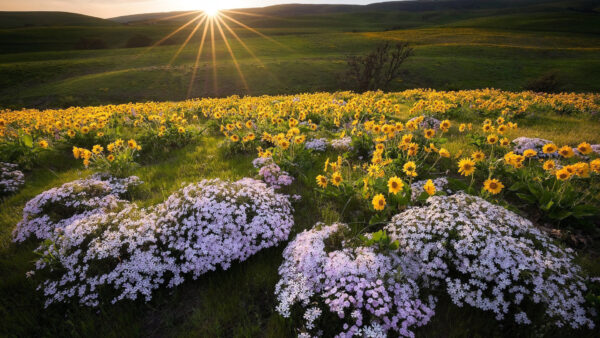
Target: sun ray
{"x":214,"y":57}
{"x":232,"y":32}
{"x":233,"y":58}
{"x":174,"y":16}
{"x":170,"y":35}
{"x":254,"y":30}
{"x":198,"y":56}
{"x":187,"y":39}
{"x":248,"y":14}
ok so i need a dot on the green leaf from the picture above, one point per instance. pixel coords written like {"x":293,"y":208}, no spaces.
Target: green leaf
{"x":527,"y":198}
{"x":27,"y":140}
{"x":585,"y":210}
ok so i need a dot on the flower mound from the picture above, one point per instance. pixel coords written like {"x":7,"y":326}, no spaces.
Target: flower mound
{"x":361,"y":287}
{"x":271,"y":173}
{"x":58,"y":207}
{"x":130,"y":253}
{"x":318,"y":144}
{"x":491,"y":259}
{"x":11,"y":179}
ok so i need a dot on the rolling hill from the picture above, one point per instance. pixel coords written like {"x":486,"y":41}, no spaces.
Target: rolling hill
{"x":47,"y":19}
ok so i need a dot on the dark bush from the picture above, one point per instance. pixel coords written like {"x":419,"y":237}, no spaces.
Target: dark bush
{"x":549,"y":82}
{"x":377,"y":69}
{"x":138,"y":40}
{"x":91,"y":43}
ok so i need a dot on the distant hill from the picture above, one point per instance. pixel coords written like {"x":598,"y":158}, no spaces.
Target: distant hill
{"x":46,"y":19}
{"x":293,"y":10}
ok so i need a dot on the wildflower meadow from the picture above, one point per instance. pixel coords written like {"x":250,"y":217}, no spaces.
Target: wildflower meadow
{"x":327,"y":214}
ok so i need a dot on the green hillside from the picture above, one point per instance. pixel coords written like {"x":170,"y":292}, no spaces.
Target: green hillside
{"x":502,"y":44}
{"x":46,"y":19}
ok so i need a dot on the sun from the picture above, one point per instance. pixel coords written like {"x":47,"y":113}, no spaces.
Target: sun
{"x":210,"y":9}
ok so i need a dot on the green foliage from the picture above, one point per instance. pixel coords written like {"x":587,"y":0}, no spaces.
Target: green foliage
{"x":381,"y":241}
{"x":21,"y":150}
{"x":557,"y":201}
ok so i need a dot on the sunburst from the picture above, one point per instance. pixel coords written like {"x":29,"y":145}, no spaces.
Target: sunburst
{"x":208,"y":22}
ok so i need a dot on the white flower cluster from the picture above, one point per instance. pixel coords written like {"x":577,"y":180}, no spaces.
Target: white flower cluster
{"x":317,"y":144}
{"x":11,"y":179}
{"x":428,"y":122}
{"x":417,"y":188}
{"x":342,"y":144}
{"x":129,"y":253}
{"x":490,"y":258}
{"x":366,"y":290}
{"x":56,"y":208}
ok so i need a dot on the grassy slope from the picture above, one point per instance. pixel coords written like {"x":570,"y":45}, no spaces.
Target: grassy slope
{"x":235,"y":303}
{"x":502,"y":48}
{"x":32,"y":19}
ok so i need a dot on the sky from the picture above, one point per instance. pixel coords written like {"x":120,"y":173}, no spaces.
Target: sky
{"x":112,"y":8}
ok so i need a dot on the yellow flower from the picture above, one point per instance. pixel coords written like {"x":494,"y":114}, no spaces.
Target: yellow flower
{"x":429,"y":187}
{"x":234,"y":138}
{"x":466,"y":167}
{"x":395,"y":185}
{"x":563,"y":174}
{"x":71,"y":133}
{"x":43,"y":144}
{"x":413,"y":148}
{"x":336,"y":178}
{"x":110,"y":157}
{"x":566,"y":152}
{"x":493,"y":186}
{"x":132,"y":144}
{"x":445,"y":125}
{"x":584,"y":148}
{"x":300,"y":139}
{"x":248,"y":124}
{"x":97,"y":149}
{"x":444,"y":153}
{"x":181,"y":130}
{"x":549,"y":148}
{"x":410,"y":168}
{"x":504,"y":142}
{"x":85,"y":130}
{"x":478,"y":156}
{"x":595,"y":165}
{"x":284,"y":144}
{"x":76,"y":152}
{"x":530,"y":153}
{"x":462,"y":127}
{"x":322,"y":181}
{"x":86,"y":162}
{"x":492,"y":139}
{"x":100,"y":134}
{"x":378,"y":202}
{"x":549,"y":165}
{"x":429,"y":133}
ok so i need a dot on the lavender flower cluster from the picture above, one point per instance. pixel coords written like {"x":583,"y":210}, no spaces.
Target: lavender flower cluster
{"x":366,"y":290}
{"x":317,"y":144}
{"x":271,"y":173}
{"x":342,"y":144}
{"x":57,"y":208}
{"x":130,"y":252}
{"x":490,"y":258}
{"x":11,"y":179}
{"x":428,"y":122}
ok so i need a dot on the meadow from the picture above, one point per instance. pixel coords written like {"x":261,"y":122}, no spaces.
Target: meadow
{"x":503,"y":48}
{"x":304,"y":142}
{"x":142,"y":195}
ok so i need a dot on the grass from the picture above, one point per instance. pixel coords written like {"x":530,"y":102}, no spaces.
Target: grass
{"x":473,"y":48}
{"x":238,"y":302}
